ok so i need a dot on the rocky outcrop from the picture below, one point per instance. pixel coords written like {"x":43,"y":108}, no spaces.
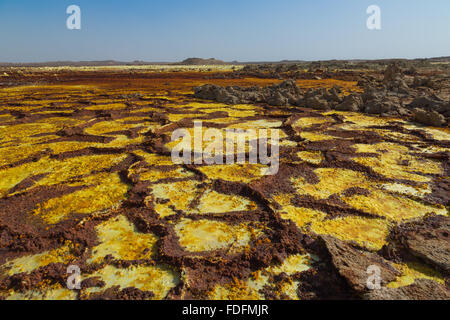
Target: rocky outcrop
{"x":431,"y":103}
{"x":277,"y":95}
{"x":392,"y":72}
{"x":352,"y":264}
{"x":352,"y":102}
{"x":431,"y":118}
{"x":283,"y":94}
{"x":427,"y":239}
{"x":200,"y":61}
{"x":423,"y":82}
{"x":394,"y":96}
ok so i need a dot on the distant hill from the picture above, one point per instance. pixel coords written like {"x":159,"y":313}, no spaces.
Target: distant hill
{"x":105,"y":63}
{"x":200,"y":62}
{"x":440,"y":59}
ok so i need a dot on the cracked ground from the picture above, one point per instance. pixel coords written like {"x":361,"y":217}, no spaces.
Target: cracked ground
{"x":86,"y":179}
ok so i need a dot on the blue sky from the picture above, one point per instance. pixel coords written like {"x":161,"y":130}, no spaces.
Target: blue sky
{"x":244,"y":30}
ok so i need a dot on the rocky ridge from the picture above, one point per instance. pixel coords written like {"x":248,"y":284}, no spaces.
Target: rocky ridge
{"x":394,"y":96}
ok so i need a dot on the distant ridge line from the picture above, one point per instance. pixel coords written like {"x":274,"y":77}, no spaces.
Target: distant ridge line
{"x":197,"y":61}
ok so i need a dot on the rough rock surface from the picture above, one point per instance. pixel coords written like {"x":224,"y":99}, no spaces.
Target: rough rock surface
{"x":421,"y":289}
{"x":352,"y":263}
{"x":352,"y":102}
{"x":392,"y":72}
{"x":431,"y":118}
{"x":427,"y":239}
{"x":431,"y":103}
{"x":283,"y":94}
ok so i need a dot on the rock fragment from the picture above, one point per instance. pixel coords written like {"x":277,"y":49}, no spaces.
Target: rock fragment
{"x":392,"y":72}
{"x":431,"y":118}
{"x":427,"y":239}
{"x":352,"y":264}
{"x":352,"y":102}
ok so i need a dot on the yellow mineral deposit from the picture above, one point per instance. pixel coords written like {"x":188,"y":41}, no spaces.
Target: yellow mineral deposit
{"x":157,"y":279}
{"x":119,"y":238}
{"x":207,"y":235}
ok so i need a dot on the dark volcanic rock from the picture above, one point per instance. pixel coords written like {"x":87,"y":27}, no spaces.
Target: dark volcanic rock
{"x":381,"y":103}
{"x":427,"y":239}
{"x":431,"y":118}
{"x":217,"y":93}
{"x":392,"y":71}
{"x":281,"y":94}
{"x":398,"y":85}
{"x":352,"y":102}
{"x":423,"y":82}
{"x":422,"y":289}
{"x":317,"y":103}
{"x":431,"y":104}
{"x":425,"y":103}
{"x":277,"y":99}
{"x":352,"y":264}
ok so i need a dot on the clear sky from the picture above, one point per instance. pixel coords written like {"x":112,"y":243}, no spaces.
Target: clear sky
{"x":244,"y":30}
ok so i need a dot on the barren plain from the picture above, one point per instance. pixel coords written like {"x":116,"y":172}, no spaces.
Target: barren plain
{"x":86,"y":179}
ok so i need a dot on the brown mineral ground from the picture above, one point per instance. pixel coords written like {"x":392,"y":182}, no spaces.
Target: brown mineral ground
{"x":86,"y":179}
